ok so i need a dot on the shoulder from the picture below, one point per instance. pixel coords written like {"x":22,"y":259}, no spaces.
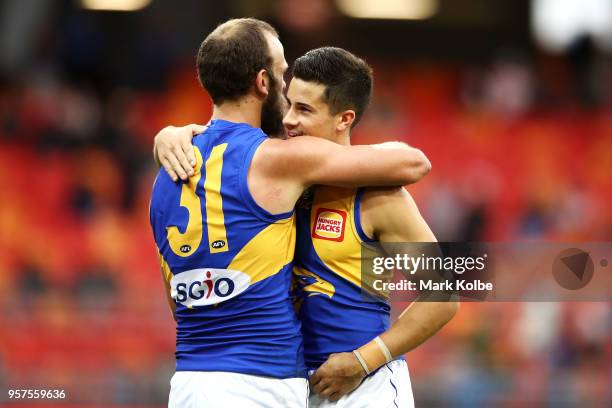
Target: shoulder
{"x":382,"y":198}
{"x":393,"y":216}
{"x":382,"y":205}
{"x":377,"y":206}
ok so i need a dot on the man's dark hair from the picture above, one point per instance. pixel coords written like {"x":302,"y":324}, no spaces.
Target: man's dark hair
{"x":347,"y":78}
{"x":230,"y":57}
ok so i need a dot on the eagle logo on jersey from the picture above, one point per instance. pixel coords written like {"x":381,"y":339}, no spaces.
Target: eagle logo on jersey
{"x":305,"y":284}
{"x":311,"y":283}
{"x":329,"y":224}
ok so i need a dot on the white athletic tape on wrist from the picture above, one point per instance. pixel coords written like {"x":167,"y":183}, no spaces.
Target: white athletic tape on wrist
{"x":384,"y":348}
{"x":361,"y":361}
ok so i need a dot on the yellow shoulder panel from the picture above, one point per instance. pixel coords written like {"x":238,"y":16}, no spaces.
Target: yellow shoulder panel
{"x":268,"y":252}
{"x":333,"y":232}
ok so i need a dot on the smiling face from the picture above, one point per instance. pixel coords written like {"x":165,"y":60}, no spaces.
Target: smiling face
{"x":330,"y":90}
{"x":308,"y":113}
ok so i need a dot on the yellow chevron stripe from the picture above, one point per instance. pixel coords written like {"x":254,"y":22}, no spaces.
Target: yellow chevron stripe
{"x":268,"y":252}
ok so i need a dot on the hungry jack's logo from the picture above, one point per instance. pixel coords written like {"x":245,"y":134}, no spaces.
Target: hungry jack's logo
{"x":329,"y":224}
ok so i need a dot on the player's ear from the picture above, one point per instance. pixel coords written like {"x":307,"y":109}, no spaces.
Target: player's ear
{"x":262,"y":82}
{"x":345,"y":121}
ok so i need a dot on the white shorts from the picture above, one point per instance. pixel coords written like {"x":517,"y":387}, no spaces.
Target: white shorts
{"x":217,"y":389}
{"x":388,"y":387}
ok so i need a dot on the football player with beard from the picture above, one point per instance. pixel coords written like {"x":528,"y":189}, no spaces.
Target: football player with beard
{"x":226,"y":235}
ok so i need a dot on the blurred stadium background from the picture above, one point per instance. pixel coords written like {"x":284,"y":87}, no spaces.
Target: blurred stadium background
{"x":511,"y":100}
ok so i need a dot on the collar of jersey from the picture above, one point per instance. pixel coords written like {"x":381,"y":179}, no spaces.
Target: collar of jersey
{"x":226,"y":123}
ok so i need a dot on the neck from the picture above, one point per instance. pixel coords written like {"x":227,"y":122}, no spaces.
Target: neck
{"x":344,"y":138}
{"x":244,"y":110}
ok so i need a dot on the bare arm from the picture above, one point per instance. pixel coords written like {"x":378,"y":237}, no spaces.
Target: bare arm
{"x":307,"y":159}
{"x":401,"y":221}
{"x":392,"y":216}
{"x":310,"y":160}
{"x":282,"y":169}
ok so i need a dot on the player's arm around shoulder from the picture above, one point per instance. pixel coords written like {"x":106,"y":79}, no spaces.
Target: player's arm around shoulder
{"x":308,"y":160}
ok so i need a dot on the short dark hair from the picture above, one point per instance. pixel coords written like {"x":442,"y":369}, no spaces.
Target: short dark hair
{"x":230,"y":57}
{"x":347,"y":78}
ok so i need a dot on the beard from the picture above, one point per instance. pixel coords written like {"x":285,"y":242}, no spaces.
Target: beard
{"x":273,"y":110}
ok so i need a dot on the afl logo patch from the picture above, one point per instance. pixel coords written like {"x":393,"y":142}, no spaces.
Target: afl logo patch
{"x":218,"y":244}
{"x":185,"y":249}
{"x":329,"y":224}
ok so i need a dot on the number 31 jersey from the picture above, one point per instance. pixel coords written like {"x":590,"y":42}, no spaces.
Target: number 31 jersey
{"x":227,"y":262}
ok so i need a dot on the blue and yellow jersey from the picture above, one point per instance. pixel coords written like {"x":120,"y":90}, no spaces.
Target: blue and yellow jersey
{"x":227,"y":262}
{"x":336,"y":316}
